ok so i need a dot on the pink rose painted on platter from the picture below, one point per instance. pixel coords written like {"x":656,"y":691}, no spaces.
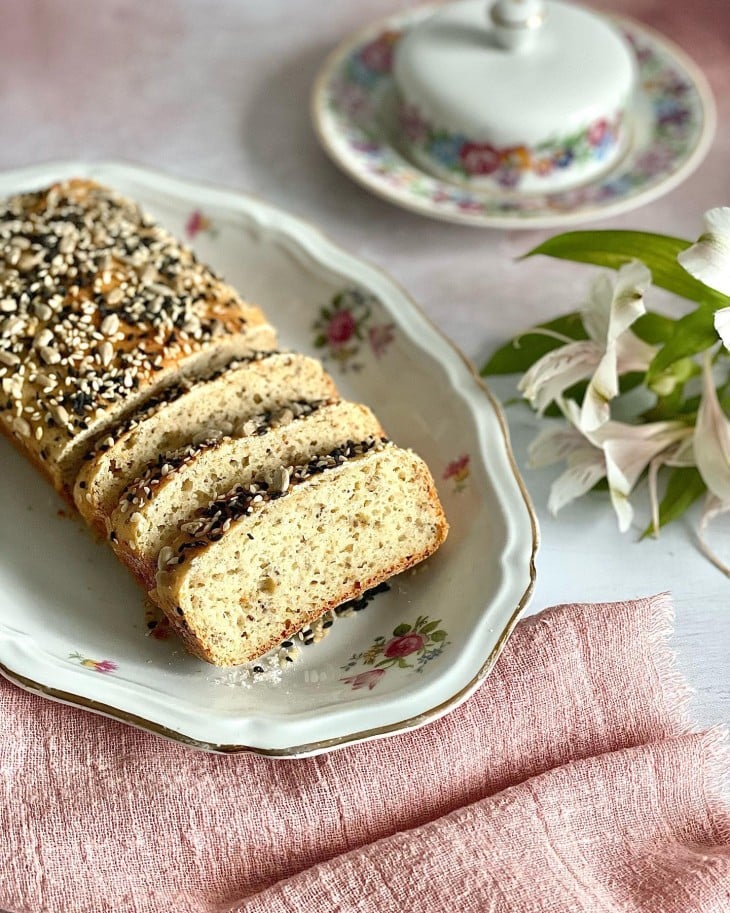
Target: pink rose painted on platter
{"x":423,"y":641}
{"x":345,"y":324}
{"x":367,"y":679}
{"x":341,"y":328}
{"x":404,"y":646}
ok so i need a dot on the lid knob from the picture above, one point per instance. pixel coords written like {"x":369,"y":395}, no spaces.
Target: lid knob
{"x":515,"y":23}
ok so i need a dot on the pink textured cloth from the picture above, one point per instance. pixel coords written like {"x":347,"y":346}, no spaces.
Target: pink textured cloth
{"x":570,"y":782}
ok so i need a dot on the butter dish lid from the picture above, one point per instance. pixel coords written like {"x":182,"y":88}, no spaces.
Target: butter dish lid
{"x":514,"y":72}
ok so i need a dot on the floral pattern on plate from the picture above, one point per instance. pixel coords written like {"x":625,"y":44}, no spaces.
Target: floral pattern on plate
{"x":345,"y":325}
{"x":105,"y":666}
{"x":357,"y":112}
{"x":196,"y":223}
{"x":420,"y":642}
{"x":507,"y":166}
{"x":458,"y":470}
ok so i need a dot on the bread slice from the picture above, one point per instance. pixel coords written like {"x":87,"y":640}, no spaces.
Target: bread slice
{"x":101,"y":308}
{"x":265,"y":561}
{"x":209,"y":407}
{"x":165,"y":499}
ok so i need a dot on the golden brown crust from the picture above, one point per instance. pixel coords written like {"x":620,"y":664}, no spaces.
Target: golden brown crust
{"x":98,"y":304}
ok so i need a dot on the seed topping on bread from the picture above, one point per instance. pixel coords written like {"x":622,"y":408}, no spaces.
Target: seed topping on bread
{"x":92,"y":293}
{"x":142,"y":489}
{"x":216,"y":518}
{"x":152,"y":405}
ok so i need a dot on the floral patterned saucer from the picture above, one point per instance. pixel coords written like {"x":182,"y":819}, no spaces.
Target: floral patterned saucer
{"x":355,"y":113}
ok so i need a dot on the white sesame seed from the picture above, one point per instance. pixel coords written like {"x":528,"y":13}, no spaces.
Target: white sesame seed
{"x":50,"y":356}
{"x":106,"y":353}
{"x":28,"y":260}
{"x":12,"y":326}
{"x":7,"y":358}
{"x":21,"y":426}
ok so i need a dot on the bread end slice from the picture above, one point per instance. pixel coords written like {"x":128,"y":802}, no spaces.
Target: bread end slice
{"x":331,"y":538}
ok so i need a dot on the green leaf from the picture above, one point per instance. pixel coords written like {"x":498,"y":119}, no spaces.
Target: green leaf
{"x":438,"y":635}
{"x":614,"y":248}
{"x":320,"y":341}
{"x":692,"y":334}
{"x":684,"y":487}
{"x":431,"y":626}
{"x":523,"y":351}
{"x":401,"y":630}
{"x":654,"y":328}
{"x":402,"y":664}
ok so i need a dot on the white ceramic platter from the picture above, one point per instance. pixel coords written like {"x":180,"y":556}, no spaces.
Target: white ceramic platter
{"x":72,"y":622}
{"x":354,"y":112}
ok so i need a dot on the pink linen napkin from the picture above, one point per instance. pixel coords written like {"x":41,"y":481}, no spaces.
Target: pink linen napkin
{"x":570,"y":782}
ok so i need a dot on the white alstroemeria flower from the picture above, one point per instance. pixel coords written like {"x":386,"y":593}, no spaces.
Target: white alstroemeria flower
{"x":610,"y":350}
{"x":586,"y":463}
{"x":616,"y":451}
{"x":712,"y":439}
{"x":712,"y":456}
{"x":709,"y":261}
{"x":722,"y":325}
{"x":709,"y":258}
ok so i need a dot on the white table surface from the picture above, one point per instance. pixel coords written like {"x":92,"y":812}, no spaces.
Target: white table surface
{"x":218,"y":90}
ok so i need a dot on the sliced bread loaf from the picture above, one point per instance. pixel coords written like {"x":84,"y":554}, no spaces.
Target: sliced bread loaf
{"x":100,"y":308}
{"x":268,"y":559}
{"x":216,"y":406}
{"x":153,"y":510}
